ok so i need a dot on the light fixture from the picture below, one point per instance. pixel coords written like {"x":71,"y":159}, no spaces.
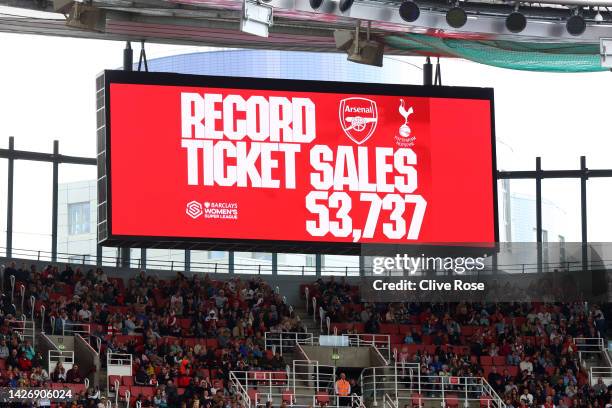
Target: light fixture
{"x":409,"y":11}
{"x":575,"y":25}
{"x":344,"y":5}
{"x":315,"y":4}
{"x":456,"y":17}
{"x":256,"y":18}
{"x":598,"y":17}
{"x":516,"y":21}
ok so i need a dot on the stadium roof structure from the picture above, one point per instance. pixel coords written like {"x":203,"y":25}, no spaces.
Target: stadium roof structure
{"x":545,"y":44}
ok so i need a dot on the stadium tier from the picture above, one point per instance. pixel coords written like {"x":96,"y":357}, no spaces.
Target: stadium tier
{"x":191,"y":340}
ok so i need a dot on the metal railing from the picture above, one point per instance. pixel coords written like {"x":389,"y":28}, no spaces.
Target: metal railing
{"x":24,"y":328}
{"x":405,"y":384}
{"x":389,"y":402}
{"x":310,"y":375}
{"x":605,"y":373}
{"x":303,"y":386}
{"x":592,"y":346}
{"x":258,"y":267}
{"x":58,"y":356}
{"x":288,"y":341}
{"x":282,"y":342}
{"x":239,"y":389}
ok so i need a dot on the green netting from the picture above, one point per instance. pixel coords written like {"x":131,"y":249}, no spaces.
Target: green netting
{"x":544,"y":57}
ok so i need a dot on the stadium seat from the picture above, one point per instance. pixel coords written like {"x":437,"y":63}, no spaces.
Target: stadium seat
{"x":499,"y":361}
{"x":417,"y":400}
{"x":253,"y":395}
{"x":451,"y":401}
{"x":486,"y":360}
{"x":322,"y":398}
{"x":112,"y":379}
{"x":485,"y":401}
{"x":287,"y":396}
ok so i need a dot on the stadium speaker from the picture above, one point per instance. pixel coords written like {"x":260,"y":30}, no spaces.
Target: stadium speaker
{"x":86,"y":17}
{"x":575,"y":25}
{"x":315,"y":4}
{"x":344,"y":5}
{"x":343,"y":39}
{"x":369,"y":53}
{"x":409,"y":11}
{"x":516,"y":22}
{"x":456,"y":17}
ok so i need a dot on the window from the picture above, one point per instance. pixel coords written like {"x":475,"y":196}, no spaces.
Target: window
{"x":78,"y":218}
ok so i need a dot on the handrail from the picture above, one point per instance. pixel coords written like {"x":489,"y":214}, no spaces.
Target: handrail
{"x":376,"y":382}
{"x":255,"y":266}
{"x":244,"y":394}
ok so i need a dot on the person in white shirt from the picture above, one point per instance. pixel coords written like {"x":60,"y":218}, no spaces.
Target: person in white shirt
{"x":526,"y":364}
{"x":526,"y":397}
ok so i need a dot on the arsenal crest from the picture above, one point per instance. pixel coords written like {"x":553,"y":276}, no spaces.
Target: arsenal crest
{"x":358,"y":118}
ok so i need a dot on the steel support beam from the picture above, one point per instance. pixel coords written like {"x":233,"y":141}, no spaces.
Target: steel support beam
{"x":583,"y":212}
{"x":538,"y":182}
{"x":9,"y":199}
{"x":54,"y":203}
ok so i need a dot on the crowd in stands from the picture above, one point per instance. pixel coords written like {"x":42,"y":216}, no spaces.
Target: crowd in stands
{"x":184,"y":334}
{"x":526,"y":351}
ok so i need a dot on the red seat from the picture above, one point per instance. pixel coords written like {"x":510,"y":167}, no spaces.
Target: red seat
{"x":389,"y":328}
{"x":287,"y":396}
{"x":111,"y":381}
{"x":77,"y":388}
{"x":279,"y":377}
{"x":252,"y":393}
{"x":148,"y":392}
{"x":127,"y":380}
{"x":416,"y":400}
{"x":499,"y":361}
{"x":485,"y":401}
{"x":486,"y":360}
{"x":322,"y":397}
{"x":451,"y":401}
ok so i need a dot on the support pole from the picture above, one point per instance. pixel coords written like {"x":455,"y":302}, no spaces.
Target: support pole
{"x":538,"y":181}
{"x":54,"y":202}
{"x":274,"y":263}
{"x":128,"y":57}
{"x":9,"y":199}
{"x":584,"y":175}
{"x":187,"y":260}
{"x":427,"y":73}
{"x":143,"y":258}
{"x":230,"y":261}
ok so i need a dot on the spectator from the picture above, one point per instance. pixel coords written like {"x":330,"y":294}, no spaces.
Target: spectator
{"x":74,"y":375}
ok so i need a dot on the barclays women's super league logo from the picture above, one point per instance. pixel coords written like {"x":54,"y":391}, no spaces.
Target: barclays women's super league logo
{"x":404,"y":139}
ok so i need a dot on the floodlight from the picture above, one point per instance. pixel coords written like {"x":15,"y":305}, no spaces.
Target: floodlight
{"x":256,"y":18}
{"x":456,"y":17}
{"x":409,"y":11}
{"x":575,"y":25}
{"x":516,"y":22}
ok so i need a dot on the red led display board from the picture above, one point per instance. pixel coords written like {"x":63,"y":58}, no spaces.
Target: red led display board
{"x":297,"y":166}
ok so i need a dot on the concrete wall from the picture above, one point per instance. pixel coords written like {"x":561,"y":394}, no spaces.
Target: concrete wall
{"x":349,"y":356}
{"x":88,"y":360}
